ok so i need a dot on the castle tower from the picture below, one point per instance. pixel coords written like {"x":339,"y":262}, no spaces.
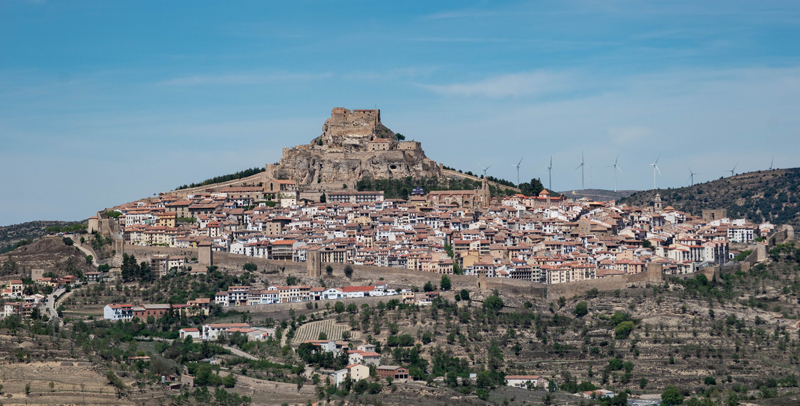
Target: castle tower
{"x":314,"y":264}
{"x":657,"y":206}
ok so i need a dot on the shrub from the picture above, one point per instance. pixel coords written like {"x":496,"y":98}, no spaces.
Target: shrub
{"x":671,"y":396}
{"x":493,"y":303}
{"x":582,"y":309}
{"x":348,"y":271}
{"x":623,"y":330}
{"x":464,"y":294}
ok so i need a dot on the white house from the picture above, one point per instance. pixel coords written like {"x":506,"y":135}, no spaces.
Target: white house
{"x":364,"y":357}
{"x":212,"y":331}
{"x":189,"y":332}
{"x":526,"y":381}
{"x":339,"y":376}
{"x":333,"y":294}
{"x":118,"y":311}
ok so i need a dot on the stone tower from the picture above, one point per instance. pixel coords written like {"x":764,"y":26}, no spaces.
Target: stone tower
{"x":657,"y":206}
{"x":313,"y":263}
{"x":485,"y":194}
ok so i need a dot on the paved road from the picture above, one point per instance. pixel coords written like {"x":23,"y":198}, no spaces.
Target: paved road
{"x":87,"y":252}
{"x":240,"y":353}
{"x":51,"y":303}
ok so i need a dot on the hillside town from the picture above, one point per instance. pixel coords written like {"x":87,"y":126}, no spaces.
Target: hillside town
{"x":545,"y":239}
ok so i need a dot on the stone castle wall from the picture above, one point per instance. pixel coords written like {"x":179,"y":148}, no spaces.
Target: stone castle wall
{"x":402,"y":278}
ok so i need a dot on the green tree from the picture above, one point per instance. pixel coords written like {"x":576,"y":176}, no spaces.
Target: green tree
{"x":445,"y":284}
{"x":493,"y":303}
{"x":428,"y":287}
{"x":229,"y":381}
{"x":348,"y":271}
{"x":671,"y":396}
{"x":623,"y":329}
{"x":339,"y":307}
{"x":532,"y":188}
{"x":329,"y":270}
{"x":67,"y":241}
{"x":642,"y":383}
{"x":250,"y":267}
{"x":582,"y":309}
{"x":322,"y":336}
{"x":464,"y":294}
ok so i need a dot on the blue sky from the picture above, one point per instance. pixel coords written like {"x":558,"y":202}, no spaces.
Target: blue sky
{"x":106,"y":102}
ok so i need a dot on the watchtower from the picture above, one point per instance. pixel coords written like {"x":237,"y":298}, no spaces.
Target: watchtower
{"x":314,"y":264}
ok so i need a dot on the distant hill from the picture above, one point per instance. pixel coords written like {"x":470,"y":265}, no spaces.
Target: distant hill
{"x":759,"y":196}
{"x":11,"y":235}
{"x":598,"y":194}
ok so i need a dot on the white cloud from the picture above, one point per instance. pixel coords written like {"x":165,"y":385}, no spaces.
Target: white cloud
{"x":509,"y":85}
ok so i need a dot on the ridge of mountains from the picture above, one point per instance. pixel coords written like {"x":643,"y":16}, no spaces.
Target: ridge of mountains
{"x":769,"y":195}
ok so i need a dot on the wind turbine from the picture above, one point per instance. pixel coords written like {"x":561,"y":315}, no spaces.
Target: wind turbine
{"x":771,"y":162}
{"x":691,"y":175}
{"x":484,"y":171}
{"x":581,"y":166}
{"x":517,"y":166}
{"x":550,"y":173}
{"x":733,"y":171}
{"x":616,"y":168}
{"x":655,"y":168}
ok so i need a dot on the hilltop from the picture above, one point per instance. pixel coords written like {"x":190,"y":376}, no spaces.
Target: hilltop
{"x":12,"y":235}
{"x":759,"y":196}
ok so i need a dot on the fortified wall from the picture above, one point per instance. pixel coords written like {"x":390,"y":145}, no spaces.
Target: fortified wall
{"x":278,"y":270}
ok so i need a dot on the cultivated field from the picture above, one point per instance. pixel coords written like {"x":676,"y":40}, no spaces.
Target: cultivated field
{"x":66,"y":378}
{"x":311,"y":331}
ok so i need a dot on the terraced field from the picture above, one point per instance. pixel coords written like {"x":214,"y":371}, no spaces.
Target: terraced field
{"x":311,"y":331}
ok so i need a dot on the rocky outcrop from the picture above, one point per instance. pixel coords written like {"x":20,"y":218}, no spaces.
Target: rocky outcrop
{"x":353,"y":145}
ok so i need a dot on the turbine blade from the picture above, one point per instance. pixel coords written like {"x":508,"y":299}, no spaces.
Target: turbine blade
{"x":659,"y":157}
{"x":520,"y":161}
{"x":616,"y":160}
{"x":620,"y":169}
{"x":659,"y":170}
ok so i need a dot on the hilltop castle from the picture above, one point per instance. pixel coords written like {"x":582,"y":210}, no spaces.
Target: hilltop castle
{"x":353,"y":145}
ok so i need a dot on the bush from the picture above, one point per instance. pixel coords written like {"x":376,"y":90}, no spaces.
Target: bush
{"x":67,"y":241}
{"x":348,"y":271}
{"x":493,"y":303}
{"x":429,"y":287}
{"x":710,"y":380}
{"x":671,"y":396}
{"x":464,"y":294}
{"x":582,"y":309}
{"x":250,"y":267}
{"x":623,"y":330}
{"x":329,"y":270}
{"x":229,"y":381}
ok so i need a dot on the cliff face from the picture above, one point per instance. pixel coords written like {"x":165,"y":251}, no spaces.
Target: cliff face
{"x":353,"y":145}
